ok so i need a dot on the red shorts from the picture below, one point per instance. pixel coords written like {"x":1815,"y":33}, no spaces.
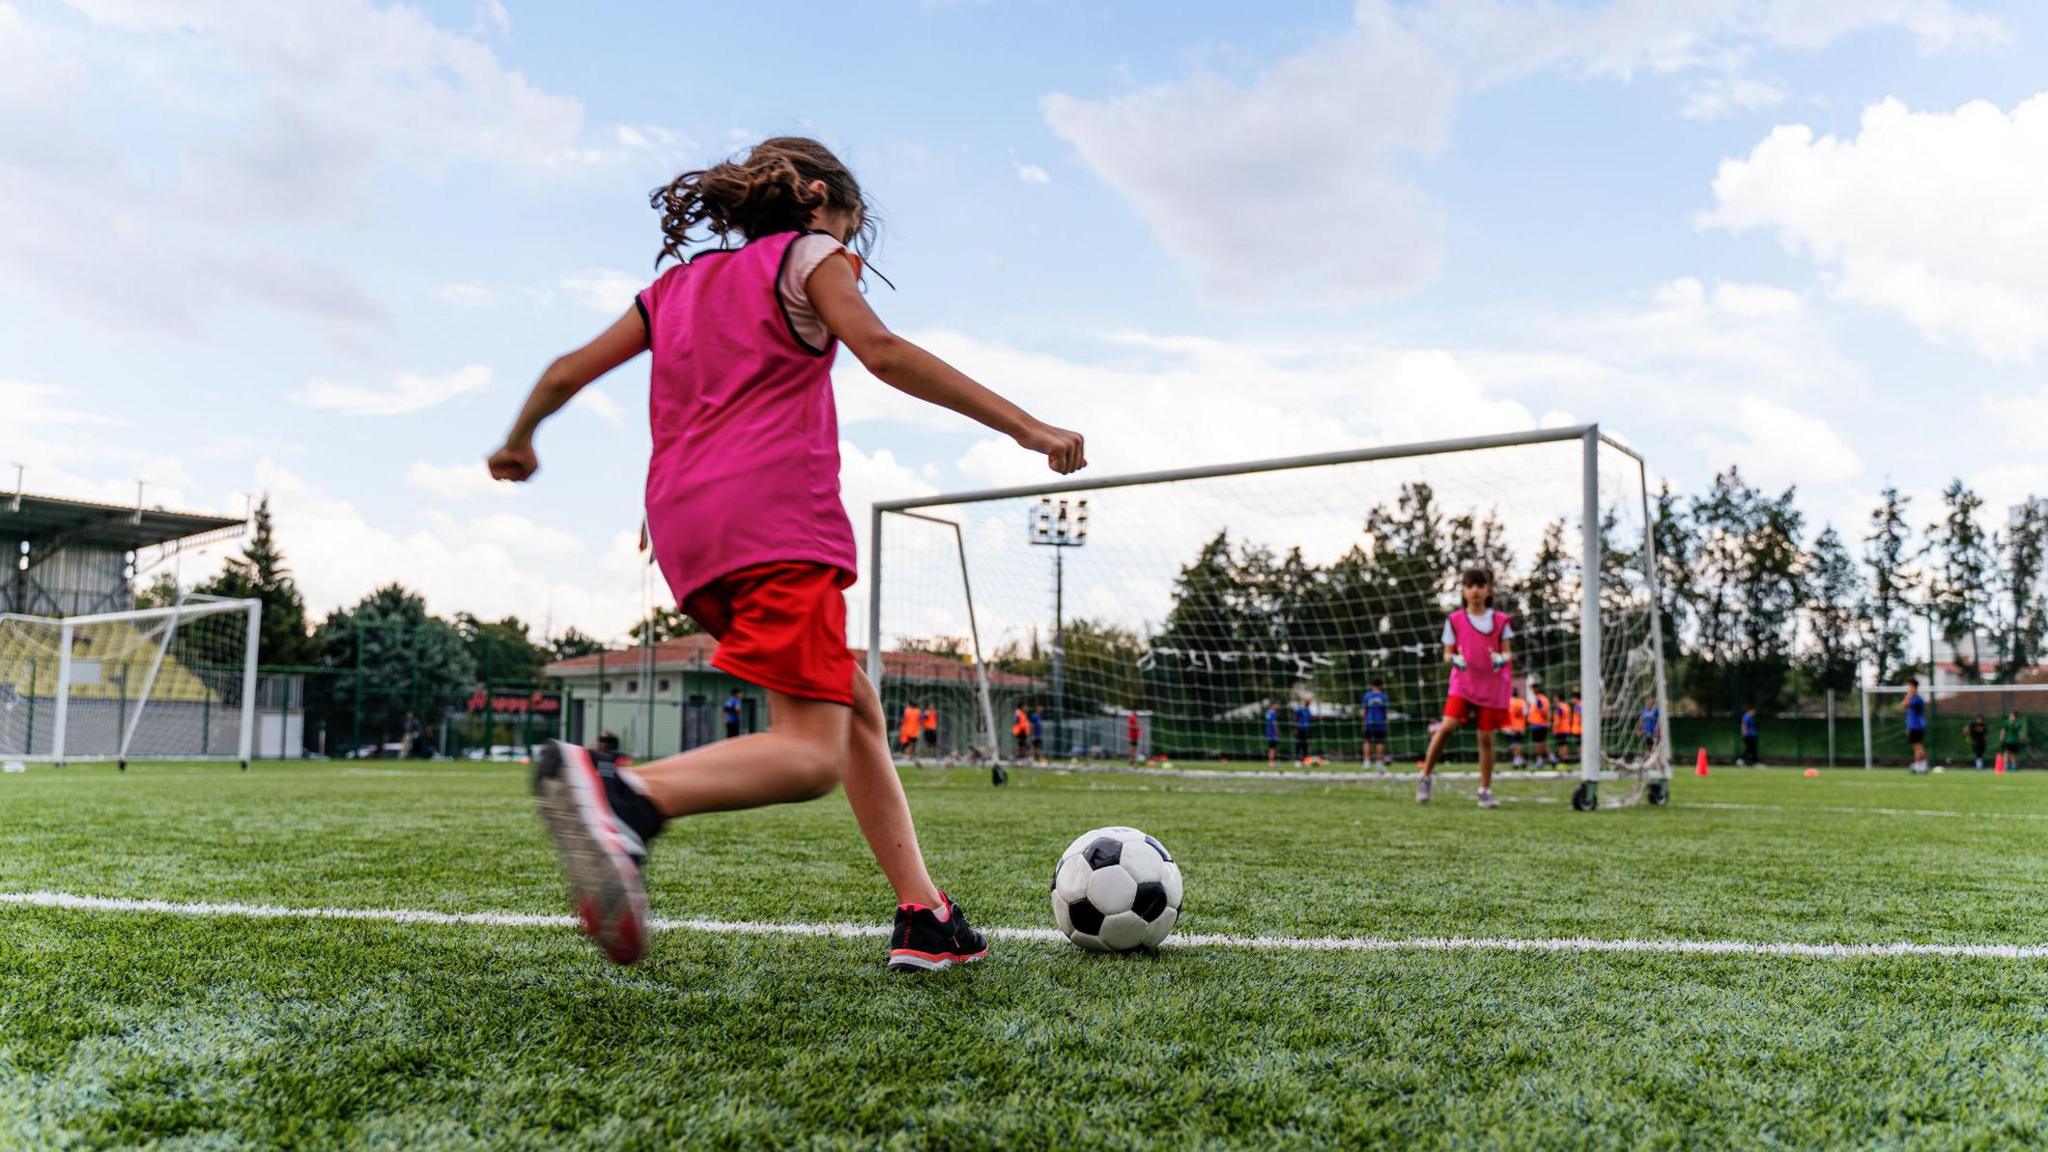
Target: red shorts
{"x":782,"y":626}
{"x":1466,"y":712}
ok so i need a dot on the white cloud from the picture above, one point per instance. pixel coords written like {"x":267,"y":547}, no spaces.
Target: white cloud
{"x":2020,"y":421}
{"x":1033,"y":174}
{"x":1937,"y":216}
{"x":601,"y":405}
{"x":1726,"y":96}
{"x":266,"y":114}
{"x":457,"y":481}
{"x":1783,"y":447}
{"x":603,"y":290}
{"x":405,"y":393}
{"x":1303,"y":180}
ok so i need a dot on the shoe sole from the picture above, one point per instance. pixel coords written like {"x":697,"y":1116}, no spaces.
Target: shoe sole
{"x":604,"y":883}
{"x":906,"y":960}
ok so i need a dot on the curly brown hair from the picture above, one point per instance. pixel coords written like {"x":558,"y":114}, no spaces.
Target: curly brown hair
{"x":765,"y":191}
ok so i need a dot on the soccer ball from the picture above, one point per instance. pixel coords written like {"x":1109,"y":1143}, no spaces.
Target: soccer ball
{"x":1116,"y":890}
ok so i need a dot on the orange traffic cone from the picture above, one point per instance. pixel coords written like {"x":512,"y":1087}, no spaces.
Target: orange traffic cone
{"x":1700,"y":768}
{"x":1998,"y":765}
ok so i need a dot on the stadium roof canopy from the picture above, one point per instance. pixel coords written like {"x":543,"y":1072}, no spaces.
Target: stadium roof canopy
{"x":48,"y":522}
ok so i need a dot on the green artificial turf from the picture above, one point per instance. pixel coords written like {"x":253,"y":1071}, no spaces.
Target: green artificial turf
{"x":149,"y":1029}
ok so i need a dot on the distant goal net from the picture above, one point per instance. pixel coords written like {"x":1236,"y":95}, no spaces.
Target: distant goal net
{"x":172,"y":683}
{"x":2013,"y":719}
{"x":1166,"y":615}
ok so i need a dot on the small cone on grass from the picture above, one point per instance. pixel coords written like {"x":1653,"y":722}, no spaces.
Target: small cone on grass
{"x":1812,"y":772}
{"x":1700,"y":767}
{"x":1998,"y":766}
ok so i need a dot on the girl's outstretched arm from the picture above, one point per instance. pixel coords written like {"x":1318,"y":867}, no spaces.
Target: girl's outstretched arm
{"x":563,"y":379}
{"x":905,"y":366}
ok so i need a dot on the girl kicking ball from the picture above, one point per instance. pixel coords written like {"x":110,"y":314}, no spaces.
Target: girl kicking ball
{"x":1476,"y":644}
{"x":744,"y":515}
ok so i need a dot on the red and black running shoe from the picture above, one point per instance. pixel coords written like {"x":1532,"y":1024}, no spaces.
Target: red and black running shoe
{"x":931,"y":939}
{"x":600,"y":852}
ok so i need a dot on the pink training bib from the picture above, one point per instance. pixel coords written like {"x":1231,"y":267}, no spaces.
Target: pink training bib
{"x":745,"y":468}
{"x":1479,"y":681}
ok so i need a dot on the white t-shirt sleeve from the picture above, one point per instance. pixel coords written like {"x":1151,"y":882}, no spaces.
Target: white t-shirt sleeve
{"x":1450,"y":634}
{"x":1507,"y":630}
{"x":805,"y":254}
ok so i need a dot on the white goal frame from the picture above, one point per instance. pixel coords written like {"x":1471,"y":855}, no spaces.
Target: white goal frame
{"x":1591,"y":755}
{"x":1869,"y":690}
{"x":190,"y":607}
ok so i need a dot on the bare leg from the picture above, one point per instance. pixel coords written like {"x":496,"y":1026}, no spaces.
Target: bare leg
{"x":1436,"y":744}
{"x":800,"y":757}
{"x":875,"y":793}
{"x":1485,"y":759}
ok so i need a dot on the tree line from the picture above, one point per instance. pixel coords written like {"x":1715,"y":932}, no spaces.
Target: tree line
{"x":1752,"y":612}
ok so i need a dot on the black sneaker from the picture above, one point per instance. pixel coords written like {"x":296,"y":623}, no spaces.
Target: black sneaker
{"x":601,"y":853}
{"x":924,"y":943}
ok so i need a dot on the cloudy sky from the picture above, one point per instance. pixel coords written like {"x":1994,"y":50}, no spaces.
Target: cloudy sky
{"x":320,"y":250}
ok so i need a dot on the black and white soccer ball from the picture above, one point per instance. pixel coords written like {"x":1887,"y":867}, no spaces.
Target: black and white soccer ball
{"x":1116,"y":890}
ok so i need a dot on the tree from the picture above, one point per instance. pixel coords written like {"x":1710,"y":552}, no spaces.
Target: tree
{"x":161,"y":592}
{"x":1887,"y":553}
{"x":1772,"y":588}
{"x":573,"y":643}
{"x":409,"y":661}
{"x":260,"y":573}
{"x":1671,"y":530}
{"x":1546,"y":613}
{"x":2023,"y":606}
{"x":951,"y":647}
{"x":1833,"y":609}
{"x":666,"y":624}
{"x":1960,"y":592}
{"x":502,"y":652}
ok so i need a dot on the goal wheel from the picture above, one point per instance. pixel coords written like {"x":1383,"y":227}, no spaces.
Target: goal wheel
{"x":998,"y":776}
{"x":1586,"y":797}
{"x":1659,"y":793}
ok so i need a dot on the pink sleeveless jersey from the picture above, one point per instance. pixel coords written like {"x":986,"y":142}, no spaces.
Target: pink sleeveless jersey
{"x":1479,"y":681}
{"x":745,"y":468}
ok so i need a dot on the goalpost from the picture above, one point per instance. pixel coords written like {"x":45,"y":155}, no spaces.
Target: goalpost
{"x":1884,"y":737}
{"x":172,"y":683}
{"x":1182,"y":605}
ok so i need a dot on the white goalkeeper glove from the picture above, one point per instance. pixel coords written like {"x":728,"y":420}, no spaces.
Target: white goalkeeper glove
{"x":1500,"y":660}
{"x":1458,"y":662}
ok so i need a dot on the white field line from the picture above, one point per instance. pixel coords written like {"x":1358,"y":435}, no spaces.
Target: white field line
{"x":1847,"y":810}
{"x":1573,"y":944}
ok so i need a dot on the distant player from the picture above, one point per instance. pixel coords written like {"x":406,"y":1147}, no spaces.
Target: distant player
{"x":1372,"y":708}
{"x":1568,"y":724}
{"x":1517,"y":727}
{"x":1304,"y":716}
{"x":1749,"y":737}
{"x":906,"y":732}
{"x":744,"y":514}
{"x":1915,"y":708}
{"x":930,"y":719}
{"x":1978,"y":732}
{"x":1020,"y":732}
{"x":1539,"y":726}
{"x":1652,"y":720}
{"x":2011,"y":735}
{"x":1476,"y":645}
{"x":1272,"y":735}
{"x":1037,"y":734}
{"x":1133,"y":734}
{"x":732,"y":715}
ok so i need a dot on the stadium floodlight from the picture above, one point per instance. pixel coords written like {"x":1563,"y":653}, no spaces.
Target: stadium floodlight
{"x":171,"y":683}
{"x":1057,"y":525}
{"x":1223,"y":587}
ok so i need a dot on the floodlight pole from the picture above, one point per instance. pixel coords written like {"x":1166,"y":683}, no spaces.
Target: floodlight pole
{"x":1051,"y":527}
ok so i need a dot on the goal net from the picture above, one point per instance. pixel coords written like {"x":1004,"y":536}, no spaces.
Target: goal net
{"x":1164,"y":615}
{"x":153,"y":684}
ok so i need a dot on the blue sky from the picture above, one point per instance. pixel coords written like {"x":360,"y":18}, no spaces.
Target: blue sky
{"x":321,"y":250}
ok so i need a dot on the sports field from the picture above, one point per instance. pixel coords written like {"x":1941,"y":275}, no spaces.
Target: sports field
{"x":1439,"y":977}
